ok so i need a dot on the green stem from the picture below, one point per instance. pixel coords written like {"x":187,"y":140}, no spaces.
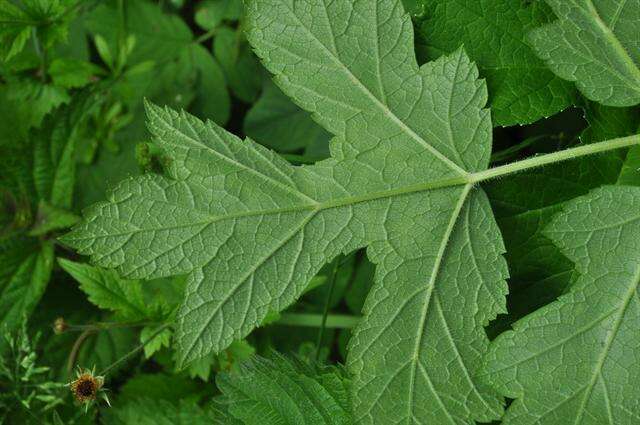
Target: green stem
{"x":552,"y":158}
{"x":332,"y":280}
{"x":505,"y":154}
{"x":135,"y":350}
{"x":206,"y":36}
{"x":333,"y":321}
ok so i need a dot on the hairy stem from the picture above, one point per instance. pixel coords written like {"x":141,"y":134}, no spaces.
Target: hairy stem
{"x":135,"y":350}
{"x":552,"y":158}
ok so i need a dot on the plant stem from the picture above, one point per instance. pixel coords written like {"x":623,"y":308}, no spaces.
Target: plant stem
{"x":505,"y":154}
{"x":206,"y":36}
{"x":135,"y":350}
{"x":333,"y":321}
{"x":332,"y":280}
{"x":551,"y":158}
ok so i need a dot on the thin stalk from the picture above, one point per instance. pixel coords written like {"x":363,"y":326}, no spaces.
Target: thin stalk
{"x":76,"y":348}
{"x":135,"y":350}
{"x":505,"y":154}
{"x":206,"y":36}
{"x":332,"y":280}
{"x":310,"y":320}
{"x":552,"y":158}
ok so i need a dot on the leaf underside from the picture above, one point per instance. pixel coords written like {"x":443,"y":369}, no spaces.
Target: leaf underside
{"x":250,"y":230}
{"x":586,"y":344}
{"x":594,"y":43}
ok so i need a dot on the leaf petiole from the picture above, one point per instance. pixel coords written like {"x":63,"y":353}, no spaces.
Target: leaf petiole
{"x":552,"y":158}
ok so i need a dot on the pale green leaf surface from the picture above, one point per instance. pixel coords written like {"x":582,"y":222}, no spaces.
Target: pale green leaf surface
{"x":494,"y":34}
{"x":250,"y":230}
{"x":594,"y":43}
{"x":279,"y":391}
{"x":577,"y":360}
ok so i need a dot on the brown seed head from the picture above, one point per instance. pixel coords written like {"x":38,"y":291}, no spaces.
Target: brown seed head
{"x":86,"y":387}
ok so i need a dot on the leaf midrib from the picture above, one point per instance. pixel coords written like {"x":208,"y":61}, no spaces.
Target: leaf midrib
{"x":430,"y":289}
{"x":330,"y":204}
{"x":617,"y":46}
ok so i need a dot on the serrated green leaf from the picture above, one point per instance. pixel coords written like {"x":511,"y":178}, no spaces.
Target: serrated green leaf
{"x":279,"y":391}
{"x":594,"y":43}
{"x":25,"y":268}
{"x":494,"y":34}
{"x":73,"y":73}
{"x":108,"y":291}
{"x":250,"y":230}
{"x":151,"y":346}
{"x":276,"y":122}
{"x":15,"y":29}
{"x":577,"y":359}
{"x":185,"y":74}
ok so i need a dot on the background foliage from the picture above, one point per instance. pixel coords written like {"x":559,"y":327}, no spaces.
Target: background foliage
{"x":74,"y":77}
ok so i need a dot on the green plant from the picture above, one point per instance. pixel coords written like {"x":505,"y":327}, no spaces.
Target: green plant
{"x":433,"y":215}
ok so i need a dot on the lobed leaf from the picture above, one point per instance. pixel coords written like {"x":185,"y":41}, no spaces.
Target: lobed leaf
{"x":586,"y":343}
{"x":250,"y":230}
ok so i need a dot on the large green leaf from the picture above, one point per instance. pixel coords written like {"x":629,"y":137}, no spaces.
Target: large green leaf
{"x":577,"y":360}
{"x":595,"y":44}
{"x":250,"y":230}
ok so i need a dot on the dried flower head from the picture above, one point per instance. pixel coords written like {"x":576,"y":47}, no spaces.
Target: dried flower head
{"x":87,"y":387}
{"x":60,"y":326}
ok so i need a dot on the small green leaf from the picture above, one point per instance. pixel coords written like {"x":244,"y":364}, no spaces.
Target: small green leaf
{"x":103,"y":50}
{"x":210,"y":13}
{"x":73,"y":73}
{"x":25,"y":269}
{"x":151,"y":346}
{"x":241,"y":68}
{"x":108,"y":291}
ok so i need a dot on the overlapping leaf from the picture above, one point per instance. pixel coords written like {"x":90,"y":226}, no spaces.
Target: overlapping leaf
{"x":494,"y":33}
{"x":278,"y":391}
{"x":577,"y":359}
{"x":595,"y":44}
{"x":250,"y":230}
